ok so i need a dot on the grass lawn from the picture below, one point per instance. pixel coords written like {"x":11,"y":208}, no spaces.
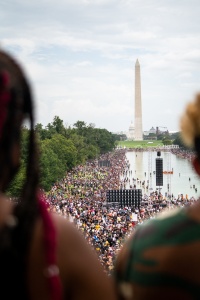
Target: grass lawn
{"x":140,"y":144}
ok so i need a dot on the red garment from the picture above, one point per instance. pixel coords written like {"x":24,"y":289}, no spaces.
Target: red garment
{"x":52,"y":271}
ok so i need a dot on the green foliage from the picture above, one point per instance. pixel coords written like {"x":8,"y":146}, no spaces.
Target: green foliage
{"x":42,"y":133}
{"x":100,"y":138}
{"x":61,"y":149}
{"x":58,"y":125}
{"x":81,"y":147}
{"x":65,"y":150}
{"x":160,"y":136}
{"x":16,"y":185}
{"x":51,"y":166}
{"x":140,"y":144}
{"x":58,"y":155}
{"x":174,"y":135}
{"x":120,"y":137}
{"x":80,"y":127}
{"x":178,"y":141}
{"x":24,"y":144}
{"x":105,"y":140}
{"x":167,"y":141}
{"x":91,"y":151}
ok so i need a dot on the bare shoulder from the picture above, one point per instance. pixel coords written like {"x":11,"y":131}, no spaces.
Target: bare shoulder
{"x":65,"y":229}
{"x":79,"y":263}
{"x":6,"y":208}
{"x":69,"y":237}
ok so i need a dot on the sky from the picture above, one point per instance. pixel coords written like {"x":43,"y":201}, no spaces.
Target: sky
{"x":79,"y":56}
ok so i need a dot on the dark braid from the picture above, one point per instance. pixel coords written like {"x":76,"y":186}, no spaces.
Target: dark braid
{"x":17,"y":241}
{"x":20,"y":107}
{"x":32,"y":164}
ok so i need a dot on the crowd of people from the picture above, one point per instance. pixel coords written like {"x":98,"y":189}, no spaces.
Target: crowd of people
{"x":42,"y":255}
{"x":69,"y":243}
{"x":160,"y":259}
{"x":81,"y":197}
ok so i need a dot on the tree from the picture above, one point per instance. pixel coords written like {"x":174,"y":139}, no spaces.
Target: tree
{"x":81,"y":147}
{"x":80,"y":126}
{"x":41,"y":132}
{"x":51,"y":130}
{"x":166,"y":141}
{"x":91,"y":151}
{"x":105,"y":140}
{"x":17,"y":183}
{"x":178,"y":141}
{"x":64,"y":149}
{"x":52,"y":168}
{"x":58,"y":125}
{"x":15,"y":187}
{"x":24,"y":144}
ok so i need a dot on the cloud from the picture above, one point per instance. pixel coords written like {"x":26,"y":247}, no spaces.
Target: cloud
{"x":80,"y":57}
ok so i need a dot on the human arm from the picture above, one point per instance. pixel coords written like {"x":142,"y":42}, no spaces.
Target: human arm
{"x":82,"y":274}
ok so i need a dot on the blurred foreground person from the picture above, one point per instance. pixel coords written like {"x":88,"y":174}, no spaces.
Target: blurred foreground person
{"x":161,"y":259}
{"x":42,"y":256}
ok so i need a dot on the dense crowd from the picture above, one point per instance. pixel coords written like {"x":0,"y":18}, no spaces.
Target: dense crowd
{"x":81,"y":197}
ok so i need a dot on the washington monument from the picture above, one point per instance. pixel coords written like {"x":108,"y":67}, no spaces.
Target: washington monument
{"x":138,"y":104}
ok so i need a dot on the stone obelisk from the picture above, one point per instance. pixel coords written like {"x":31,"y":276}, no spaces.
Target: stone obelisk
{"x":138,"y":104}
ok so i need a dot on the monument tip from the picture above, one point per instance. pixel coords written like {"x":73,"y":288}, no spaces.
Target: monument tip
{"x":137,"y":62}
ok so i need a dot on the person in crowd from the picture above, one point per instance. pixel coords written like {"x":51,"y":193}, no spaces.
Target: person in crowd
{"x":81,"y":197}
{"x":42,"y":255}
{"x":161,"y":258}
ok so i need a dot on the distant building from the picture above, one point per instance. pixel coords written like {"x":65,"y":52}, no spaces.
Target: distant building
{"x":152,"y":130}
{"x":131,"y":132}
{"x":156,"y":131}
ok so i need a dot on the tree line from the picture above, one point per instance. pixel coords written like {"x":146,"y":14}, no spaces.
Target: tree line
{"x":62,"y":148}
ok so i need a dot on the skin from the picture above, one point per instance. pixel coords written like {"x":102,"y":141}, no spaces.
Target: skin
{"x":139,"y":293}
{"x":82,"y":276}
{"x":81,"y":273}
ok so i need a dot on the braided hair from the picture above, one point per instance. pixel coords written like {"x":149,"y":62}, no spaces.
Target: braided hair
{"x":190,"y":125}
{"x":16,"y":105}
{"x":190,"y":130}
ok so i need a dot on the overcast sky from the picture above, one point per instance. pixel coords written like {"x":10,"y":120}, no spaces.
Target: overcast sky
{"x":80,"y":57}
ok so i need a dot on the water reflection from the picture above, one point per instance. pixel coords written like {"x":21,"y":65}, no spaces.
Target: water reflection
{"x":183,"y":180}
{"x":139,"y":164}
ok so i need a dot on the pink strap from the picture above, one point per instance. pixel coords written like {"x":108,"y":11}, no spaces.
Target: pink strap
{"x":52,"y":271}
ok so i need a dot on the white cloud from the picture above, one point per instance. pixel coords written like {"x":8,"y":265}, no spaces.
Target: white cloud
{"x":80,"y":57}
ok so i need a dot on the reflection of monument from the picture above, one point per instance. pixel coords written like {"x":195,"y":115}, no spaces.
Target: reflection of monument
{"x":139,"y":164}
{"x":138,"y":104}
